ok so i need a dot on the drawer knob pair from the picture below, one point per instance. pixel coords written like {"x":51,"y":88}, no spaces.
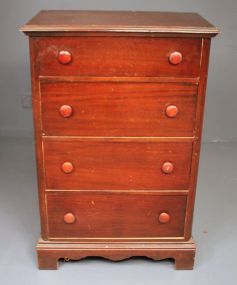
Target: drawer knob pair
{"x":167,"y":167}
{"x":66,"y":111}
{"x":64,"y":57}
{"x":69,"y":218}
{"x":175,"y":57}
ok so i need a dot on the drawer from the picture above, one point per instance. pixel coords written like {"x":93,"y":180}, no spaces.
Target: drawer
{"x":118,"y":56}
{"x":113,"y":215}
{"x":117,"y":165}
{"x":118,"y":109}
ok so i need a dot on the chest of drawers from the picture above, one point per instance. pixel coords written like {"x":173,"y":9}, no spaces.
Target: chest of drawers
{"x":118,"y":102}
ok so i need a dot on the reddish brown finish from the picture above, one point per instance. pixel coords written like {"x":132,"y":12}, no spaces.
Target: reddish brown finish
{"x":105,"y":165}
{"x":69,"y":218}
{"x":198,"y":131}
{"x":171,"y":111}
{"x":114,"y":215}
{"x":175,"y":57}
{"x":168,"y":167}
{"x":119,"y":134}
{"x":67,"y":167}
{"x":64,"y":57}
{"x":118,"y":108}
{"x":38,"y":139}
{"x":65,"y":111}
{"x":164,"y":218}
{"x":120,"y":21}
{"x":49,"y":252}
{"x":116,"y":56}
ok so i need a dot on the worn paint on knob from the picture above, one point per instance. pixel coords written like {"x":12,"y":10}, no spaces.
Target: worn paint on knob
{"x":69,"y":218}
{"x":164,"y":218}
{"x":64,"y":57}
{"x":175,"y":57}
{"x":65,"y":111}
{"x":171,"y":111}
{"x":67,"y":167}
{"x":167,"y":167}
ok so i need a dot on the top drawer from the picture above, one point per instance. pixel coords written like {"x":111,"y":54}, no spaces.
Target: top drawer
{"x":118,"y":56}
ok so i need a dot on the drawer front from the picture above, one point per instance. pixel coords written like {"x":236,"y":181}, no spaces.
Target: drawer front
{"x":99,"y":165}
{"x":113,"y":215}
{"x":118,"y":56}
{"x":118,"y":109}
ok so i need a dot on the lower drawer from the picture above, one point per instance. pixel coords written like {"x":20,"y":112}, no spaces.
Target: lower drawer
{"x":117,"y":165}
{"x":115,"y":215}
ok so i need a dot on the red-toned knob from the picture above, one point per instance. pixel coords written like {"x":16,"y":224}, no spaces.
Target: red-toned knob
{"x":175,"y":57}
{"x":167,"y":167}
{"x":164,"y":218}
{"x":69,"y":218}
{"x":67,"y":167}
{"x":171,"y":111}
{"x":64,"y":57}
{"x":65,"y":111}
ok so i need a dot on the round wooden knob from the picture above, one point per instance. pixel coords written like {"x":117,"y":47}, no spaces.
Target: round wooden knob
{"x":175,"y":57}
{"x":65,"y":111}
{"x":67,"y":167}
{"x":69,"y":218}
{"x":164,"y":218}
{"x":171,"y":111}
{"x":167,"y":167}
{"x":64,"y":57}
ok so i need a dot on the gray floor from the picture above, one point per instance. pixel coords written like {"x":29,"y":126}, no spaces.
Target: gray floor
{"x":214,"y":228}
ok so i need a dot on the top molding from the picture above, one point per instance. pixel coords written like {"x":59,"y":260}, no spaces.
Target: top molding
{"x":119,"y":21}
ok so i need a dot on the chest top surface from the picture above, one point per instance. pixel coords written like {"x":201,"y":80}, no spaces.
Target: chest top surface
{"x":119,"y":21}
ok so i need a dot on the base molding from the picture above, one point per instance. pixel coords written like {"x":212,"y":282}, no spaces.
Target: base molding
{"x":50,"y":252}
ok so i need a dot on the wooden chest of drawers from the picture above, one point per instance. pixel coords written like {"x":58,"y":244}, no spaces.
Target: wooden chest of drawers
{"x":118,"y":102}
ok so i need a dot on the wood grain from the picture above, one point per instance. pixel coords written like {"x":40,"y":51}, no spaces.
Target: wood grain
{"x":101,"y":165}
{"x":111,"y":215}
{"x":118,"y":56}
{"x":119,"y":21}
{"x":118,"y":109}
{"x":198,"y":131}
{"x":36,"y":104}
{"x":49,"y":253}
{"x":102,"y":191}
